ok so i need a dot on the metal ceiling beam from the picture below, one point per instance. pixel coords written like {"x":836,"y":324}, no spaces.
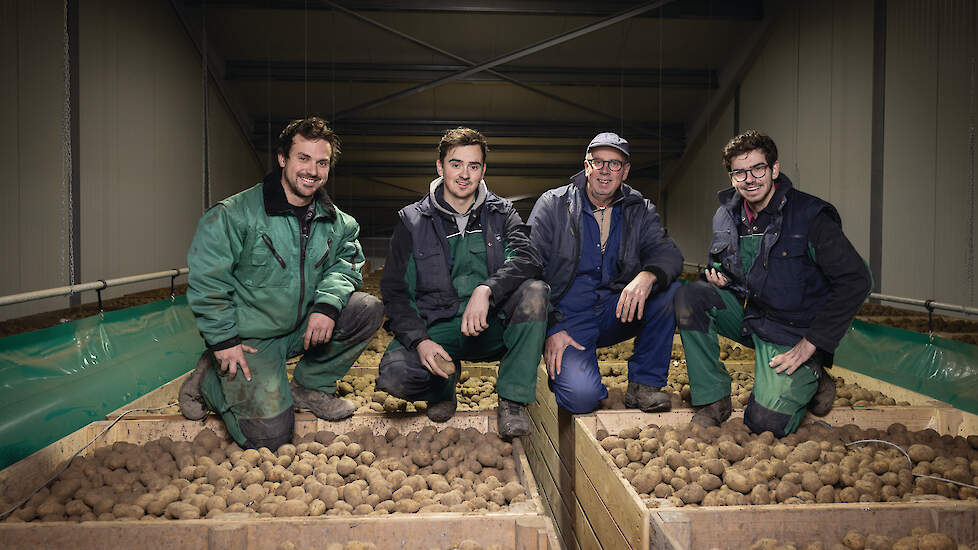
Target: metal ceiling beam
{"x":393,"y":146}
{"x":298,"y":71}
{"x":672,"y":134}
{"x":509,"y":79}
{"x":369,"y":169}
{"x":507,"y":58}
{"x":688,"y":9}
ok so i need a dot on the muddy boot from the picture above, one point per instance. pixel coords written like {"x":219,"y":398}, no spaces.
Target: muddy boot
{"x":321,"y":404}
{"x":821,"y":403}
{"x":646,"y":398}
{"x":714,"y":414}
{"x":441,"y":411}
{"x":191,"y":400}
{"x":512,"y":418}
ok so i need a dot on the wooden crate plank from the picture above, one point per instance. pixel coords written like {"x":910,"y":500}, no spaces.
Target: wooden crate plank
{"x":614,"y":491}
{"x":418,"y":532}
{"x":741,"y":526}
{"x":560,"y":513}
{"x":577,"y":490}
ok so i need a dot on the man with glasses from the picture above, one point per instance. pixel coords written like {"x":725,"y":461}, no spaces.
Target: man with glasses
{"x":783,"y":279}
{"x":611,"y":268}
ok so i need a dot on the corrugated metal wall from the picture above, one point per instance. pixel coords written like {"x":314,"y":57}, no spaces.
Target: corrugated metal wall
{"x":811,"y":90}
{"x":141,"y":115}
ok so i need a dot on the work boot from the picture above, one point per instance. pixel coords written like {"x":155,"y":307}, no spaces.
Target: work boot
{"x":714,"y":414}
{"x":821,"y":403}
{"x":323,"y":405}
{"x":441,"y":411}
{"x":191,"y":399}
{"x":512,"y":418}
{"x":646,"y":398}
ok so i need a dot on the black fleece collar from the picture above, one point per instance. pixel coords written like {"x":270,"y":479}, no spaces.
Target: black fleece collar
{"x":276,"y":204}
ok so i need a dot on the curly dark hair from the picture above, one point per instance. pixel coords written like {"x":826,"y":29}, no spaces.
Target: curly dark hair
{"x":458,"y":137}
{"x":747,"y":142}
{"x":310,"y":128}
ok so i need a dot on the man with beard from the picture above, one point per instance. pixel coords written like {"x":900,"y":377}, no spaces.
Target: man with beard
{"x":459,"y":283}
{"x":783,"y":279}
{"x":274,"y":271}
{"x":612,"y":272}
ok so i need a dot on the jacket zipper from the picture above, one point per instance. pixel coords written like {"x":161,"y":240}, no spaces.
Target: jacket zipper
{"x":303,"y":241}
{"x":268,"y":242}
{"x":323,"y":259}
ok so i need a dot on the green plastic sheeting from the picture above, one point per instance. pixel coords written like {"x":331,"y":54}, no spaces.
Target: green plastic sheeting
{"x":56,"y":380}
{"x":944,"y":369}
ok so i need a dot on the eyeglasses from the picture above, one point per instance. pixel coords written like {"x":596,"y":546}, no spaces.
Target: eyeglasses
{"x":758,"y":171}
{"x":614,"y":165}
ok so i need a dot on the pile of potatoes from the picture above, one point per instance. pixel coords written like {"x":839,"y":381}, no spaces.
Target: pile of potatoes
{"x":615,"y":378}
{"x":467,"y":544}
{"x":358,"y":473}
{"x":920,"y":538}
{"x":474,"y":393}
{"x":727,"y":465}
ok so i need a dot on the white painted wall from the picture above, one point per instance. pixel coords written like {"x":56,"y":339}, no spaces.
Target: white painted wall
{"x":141,"y":152}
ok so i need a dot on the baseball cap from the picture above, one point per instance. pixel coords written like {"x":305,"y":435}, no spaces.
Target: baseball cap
{"x":609,"y":139}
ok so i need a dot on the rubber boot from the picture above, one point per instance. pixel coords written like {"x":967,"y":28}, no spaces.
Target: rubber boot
{"x":714,"y":414}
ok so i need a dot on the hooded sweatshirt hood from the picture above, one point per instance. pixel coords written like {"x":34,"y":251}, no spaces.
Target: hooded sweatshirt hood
{"x":437,"y":198}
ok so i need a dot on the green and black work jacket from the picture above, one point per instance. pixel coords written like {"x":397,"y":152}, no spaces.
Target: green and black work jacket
{"x":433,"y":265}
{"x":257,"y":270}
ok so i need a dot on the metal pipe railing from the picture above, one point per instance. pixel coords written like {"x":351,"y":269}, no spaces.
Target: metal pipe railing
{"x":929,"y":305}
{"x":99,"y":286}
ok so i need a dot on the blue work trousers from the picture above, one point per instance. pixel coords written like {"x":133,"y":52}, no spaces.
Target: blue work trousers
{"x":578,"y":388}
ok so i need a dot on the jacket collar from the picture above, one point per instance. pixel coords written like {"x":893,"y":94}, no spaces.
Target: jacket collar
{"x":277,"y":204}
{"x":732,"y":201}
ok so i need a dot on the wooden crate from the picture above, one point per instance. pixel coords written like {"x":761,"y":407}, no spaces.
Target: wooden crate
{"x":521,"y":526}
{"x":644,"y":525}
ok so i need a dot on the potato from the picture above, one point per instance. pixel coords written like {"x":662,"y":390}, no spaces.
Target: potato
{"x":921,"y":453}
{"x":291,"y":508}
{"x":692,"y":493}
{"x":936,"y":541}
{"x":731,"y":451}
{"x":407,"y":505}
{"x":737,"y":481}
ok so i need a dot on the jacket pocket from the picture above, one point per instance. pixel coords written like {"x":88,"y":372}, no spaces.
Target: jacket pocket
{"x":325,"y":254}
{"x":265,"y":267}
{"x":430,"y":264}
{"x":719,"y":255}
{"x":788,"y":267}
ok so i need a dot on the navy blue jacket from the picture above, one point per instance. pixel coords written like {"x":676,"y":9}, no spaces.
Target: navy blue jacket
{"x":807,"y":280}
{"x":420,"y":233}
{"x":556,"y":234}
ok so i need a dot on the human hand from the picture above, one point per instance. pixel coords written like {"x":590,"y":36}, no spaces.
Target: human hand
{"x":789,"y":361}
{"x":553,"y":351}
{"x":428,"y":350}
{"x":474,"y":316}
{"x":631,"y":302}
{"x":716,"y":277}
{"x":232,"y":358}
{"x":319,"y":330}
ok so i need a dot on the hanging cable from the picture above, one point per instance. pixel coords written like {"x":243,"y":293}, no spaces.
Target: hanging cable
{"x":305,"y":58}
{"x":971,"y":180}
{"x":205,"y":167}
{"x":658,"y":176}
{"x":67,"y":199}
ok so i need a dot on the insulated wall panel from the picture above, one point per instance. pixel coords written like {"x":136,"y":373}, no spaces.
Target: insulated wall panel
{"x":34,"y":213}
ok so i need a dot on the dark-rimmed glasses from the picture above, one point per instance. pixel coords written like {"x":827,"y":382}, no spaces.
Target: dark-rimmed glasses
{"x":758,"y":171}
{"x":614,"y":165}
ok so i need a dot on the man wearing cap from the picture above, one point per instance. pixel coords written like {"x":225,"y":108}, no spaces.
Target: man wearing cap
{"x":783,"y":279}
{"x":612,"y":269}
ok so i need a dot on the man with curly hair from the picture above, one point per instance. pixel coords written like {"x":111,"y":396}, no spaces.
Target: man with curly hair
{"x":274,"y":272}
{"x":783,"y":279}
